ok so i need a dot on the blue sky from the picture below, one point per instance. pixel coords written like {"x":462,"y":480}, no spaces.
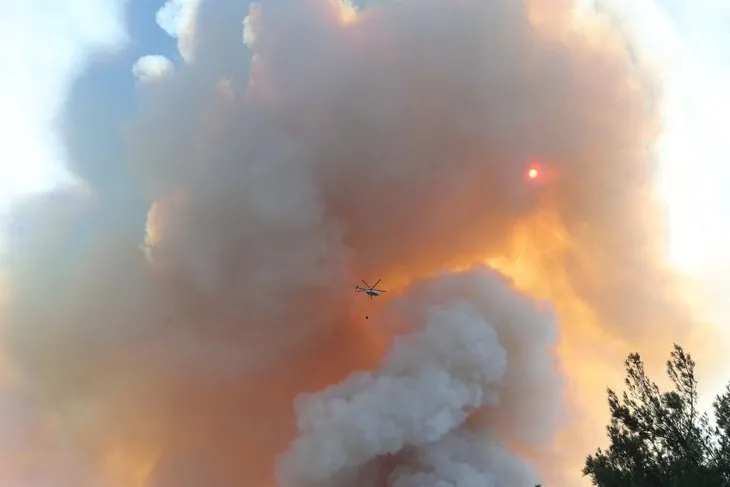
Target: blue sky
{"x":103,"y":97}
{"x":88,"y":91}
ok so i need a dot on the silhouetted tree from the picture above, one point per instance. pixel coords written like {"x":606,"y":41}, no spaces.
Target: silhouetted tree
{"x":661,"y":439}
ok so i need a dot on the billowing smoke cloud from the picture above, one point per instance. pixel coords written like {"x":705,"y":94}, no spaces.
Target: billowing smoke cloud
{"x":334,"y":145}
{"x":417,"y":404}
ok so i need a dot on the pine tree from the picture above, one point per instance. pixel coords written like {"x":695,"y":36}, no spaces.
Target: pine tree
{"x":661,"y":439}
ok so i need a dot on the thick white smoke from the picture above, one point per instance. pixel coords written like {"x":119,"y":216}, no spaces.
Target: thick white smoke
{"x":406,"y":423}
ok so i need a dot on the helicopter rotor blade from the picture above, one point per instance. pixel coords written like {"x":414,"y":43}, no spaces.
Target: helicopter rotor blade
{"x":366,"y":284}
{"x":376,"y":283}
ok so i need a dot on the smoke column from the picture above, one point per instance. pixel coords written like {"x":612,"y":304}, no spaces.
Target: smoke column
{"x":297,"y":148}
{"x":406,"y":423}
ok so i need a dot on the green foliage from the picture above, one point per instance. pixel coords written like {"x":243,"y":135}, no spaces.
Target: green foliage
{"x":661,"y":439}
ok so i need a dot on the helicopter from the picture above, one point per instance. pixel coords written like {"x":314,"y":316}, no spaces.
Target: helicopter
{"x":371,"y":291}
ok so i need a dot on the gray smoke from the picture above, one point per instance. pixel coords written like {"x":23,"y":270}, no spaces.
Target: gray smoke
{"x":416,"y":405}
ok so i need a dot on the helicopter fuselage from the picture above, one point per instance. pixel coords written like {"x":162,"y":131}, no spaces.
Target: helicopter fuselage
{"x":371,"y":291}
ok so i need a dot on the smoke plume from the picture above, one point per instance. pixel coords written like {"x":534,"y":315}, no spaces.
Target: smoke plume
{"x":417,"y":404}
{"x":297,"y":148}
